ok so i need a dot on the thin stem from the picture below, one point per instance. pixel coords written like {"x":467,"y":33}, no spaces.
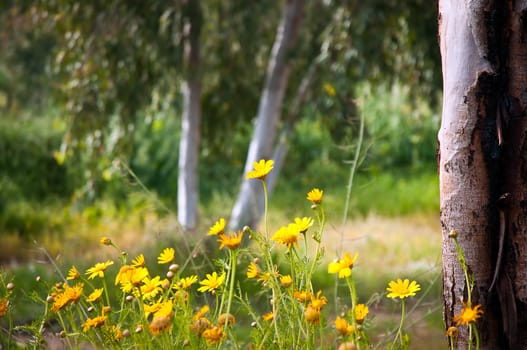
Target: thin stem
{"x":399,"y":331}
{"x":353,"y":169}
{"x":266,"y":208}
{"x":231,"y":287}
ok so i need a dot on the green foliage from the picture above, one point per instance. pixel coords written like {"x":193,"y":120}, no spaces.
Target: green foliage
{"x":27,"y":165}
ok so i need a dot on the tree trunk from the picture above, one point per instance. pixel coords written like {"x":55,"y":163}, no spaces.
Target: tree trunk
{"x":482,"y":166}
{"x":249,"y":203}
{"x":188,"y":180}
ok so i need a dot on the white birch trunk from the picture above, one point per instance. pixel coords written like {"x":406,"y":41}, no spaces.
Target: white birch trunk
{"x":249,"y":204}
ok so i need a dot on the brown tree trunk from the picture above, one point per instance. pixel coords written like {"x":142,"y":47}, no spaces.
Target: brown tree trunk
{"x":482,"y":165}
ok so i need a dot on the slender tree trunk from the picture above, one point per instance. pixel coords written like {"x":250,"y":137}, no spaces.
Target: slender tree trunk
{"x":249,"y":203}
{"x":482,"y":165}
{"x":188,"y":180}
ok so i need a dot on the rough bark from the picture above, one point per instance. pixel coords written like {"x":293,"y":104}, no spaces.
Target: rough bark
{"x":249,"y":203}
{"x":482,"y":165}
{"x":514,"y":272}
{"x":188,"y":181}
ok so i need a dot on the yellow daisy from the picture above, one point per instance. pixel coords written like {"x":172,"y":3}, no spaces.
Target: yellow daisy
{"x":343,"y":266}
{"x":167,"y":256}
{"x":268,"y":316}
{"x":98,"y":269}
{"x":214,"y":335}
{"x":286,"y":281}
{"x":139,"y":261}
{"x":151,"y":287}
{"x":315,"y":196}
{"x":186,"y":282}
{"x":232,"y":241}
{"x":218,"y":228}
{"x":343,"y":327}
{"x":468,"y":315}
{"x":73,"y":274}
{"x":287,"y":235}
{"x":361,"y":311}
{"x":402,"y":289}
{"x":261,"y":169}
{"x":211,"y":282}
{"x":252,"y":270}
{"x":303,"y":224}
{"x":95,"y":295}
{"x":95,"y":322}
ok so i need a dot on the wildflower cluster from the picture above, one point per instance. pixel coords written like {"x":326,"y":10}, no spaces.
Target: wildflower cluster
{"x":122,"y":303}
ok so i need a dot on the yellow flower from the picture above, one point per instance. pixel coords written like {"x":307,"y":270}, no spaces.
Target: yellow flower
{"x":232,"y":241}
{"x":139,"y":261}
{"x":151,"y":287}
{"x":151,"y":309}
{"x":261,"y":169}
{"x":302,"y":296}
{"x":93,"y":323}
{"x":402,"y":289}
{"x":130,"y":277}
{"x":329,"y":89}
{"x":4,"y":303}
{"x":223,"y":318}
{"x":252,"y":270}
{"x":319,"y":301}
{"x":343,"y":266}
{"x":218,"y":228}
{"x":214,"y":335}
{"x":66,"y":295}
{"x":73,"y":274}
{"x":211,"y":282}
{"x":106,"y":241}
{"x":303,"y":224}
{"x":468,"y":315}
{"x":315,"y":196}
{"x":286,"y":281}
{"x":186,"y":282}
{"x":98,"y":269}
{"x":343,"y":328}
{"x":268,"y":316}
{"x":312,"y":315}
{"x":204,"y":309}
{"x":361,"y":311}
{"x":95,"y":295}
{"x":287,"y":235}
{"x":166,"y":257}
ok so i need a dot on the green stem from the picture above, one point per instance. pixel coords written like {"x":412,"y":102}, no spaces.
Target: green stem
{"x":476,"y":334}
{"x":353,"y":169}
{"x":399,"y":331}
{"x":231,"y":286}
{"x":266,"y":209}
